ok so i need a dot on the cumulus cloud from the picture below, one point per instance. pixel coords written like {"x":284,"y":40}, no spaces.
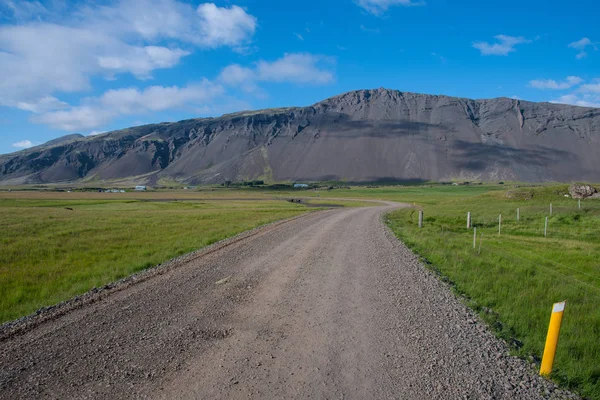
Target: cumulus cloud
{"x":296,"y":68}
{"x":44,"y":104}
{"x":380,"y":7}
{"x":503,"y":46}
{"x":45,"y":58}
{"x":591,"y":87}
{"x":224,"y":26}
{"x":23,"y":144}
{"x":42,"y":59}
{"x":237,"y":76}
{"x":299,"y":68}
{"x":579,"y":100}
{"x":552,"y":84}
{"x":206,"y":26}
{"x":581,"y":45}
{"x":140,"y":61}
{"x":95,"y":112}
{"x":586,"y":95}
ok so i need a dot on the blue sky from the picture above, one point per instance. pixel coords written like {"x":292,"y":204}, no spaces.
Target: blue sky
{"x":93,"y":66}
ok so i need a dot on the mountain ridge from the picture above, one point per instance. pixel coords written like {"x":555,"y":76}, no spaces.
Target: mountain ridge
{"x":359,"y":136}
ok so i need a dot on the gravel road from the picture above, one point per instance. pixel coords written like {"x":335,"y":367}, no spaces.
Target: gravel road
{"x":328,"y":305}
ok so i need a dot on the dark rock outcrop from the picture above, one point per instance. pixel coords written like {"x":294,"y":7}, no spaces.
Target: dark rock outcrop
{"x":360,"y":136}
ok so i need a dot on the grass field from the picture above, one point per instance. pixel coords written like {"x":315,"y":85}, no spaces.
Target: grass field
{"x":49,"y":253}
{"x":518,"y":274}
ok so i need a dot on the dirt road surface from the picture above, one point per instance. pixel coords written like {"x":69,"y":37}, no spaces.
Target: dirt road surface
{"x":327,"y":306}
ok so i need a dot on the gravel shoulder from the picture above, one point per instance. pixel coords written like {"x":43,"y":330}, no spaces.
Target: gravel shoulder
{"x":329,"y":305}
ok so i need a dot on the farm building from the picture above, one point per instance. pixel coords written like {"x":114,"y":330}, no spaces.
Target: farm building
{"x":300,"y":185}
{"x":140,"y":188}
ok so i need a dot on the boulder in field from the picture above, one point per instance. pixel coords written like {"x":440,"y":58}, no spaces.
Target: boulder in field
{"x":578,"y":191}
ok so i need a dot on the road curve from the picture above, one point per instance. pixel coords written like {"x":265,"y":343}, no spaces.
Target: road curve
{"x":328,"y":305}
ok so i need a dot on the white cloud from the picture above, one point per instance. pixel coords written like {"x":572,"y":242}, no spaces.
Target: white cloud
{"x":95,"y":112}
{"x":379,"y":7}
{"x":587,"y":95}
{"x":578,"y":100}
{"x":44,"y":58}
{"x":505,"y":45}
{"x":590,"y":87}
{"x":299,"y":36}
{"x":206,"y":26}
{"x":552,"y":84}
{"x":76,"y":118}
{"x":581,"y":45}
{"x":224,"y":26}
{"x":158,"y":98}
{"x":147,"y":19}
{"x":140,"y":61}
{"x":47,"y":103}
{"x":300,"y":68}
{"x":96,"y":133}
{"x":23,"y":144}
{"x":237,"y":76}
{"x":296,"y":68}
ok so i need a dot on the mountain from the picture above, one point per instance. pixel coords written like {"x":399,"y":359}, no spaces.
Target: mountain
{"x":360,"y":136}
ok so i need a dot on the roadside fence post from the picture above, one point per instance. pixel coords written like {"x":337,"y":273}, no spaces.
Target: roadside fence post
{"x":474,"y":237}
{"x":499,"y":224}
{"x":420,"y":218}
{"x":468,"y":220}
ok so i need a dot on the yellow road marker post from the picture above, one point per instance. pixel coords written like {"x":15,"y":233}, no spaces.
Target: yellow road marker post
{"x":552,"y":338}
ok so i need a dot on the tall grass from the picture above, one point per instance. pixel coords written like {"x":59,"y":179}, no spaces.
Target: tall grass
{"x":520,"y":273}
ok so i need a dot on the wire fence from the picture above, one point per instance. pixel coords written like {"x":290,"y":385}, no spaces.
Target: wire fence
{"x":491,"y":243}
{"x":528,"y":231}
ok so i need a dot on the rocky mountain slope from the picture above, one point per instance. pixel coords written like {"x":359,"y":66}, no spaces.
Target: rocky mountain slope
{"x":360,"y":136}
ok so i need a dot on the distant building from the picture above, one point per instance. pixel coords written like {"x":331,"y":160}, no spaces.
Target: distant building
{"x":300,"y":185}
{"x":140,"y":188}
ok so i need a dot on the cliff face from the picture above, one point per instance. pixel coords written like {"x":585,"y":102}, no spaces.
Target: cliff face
{"x":367,"y":135}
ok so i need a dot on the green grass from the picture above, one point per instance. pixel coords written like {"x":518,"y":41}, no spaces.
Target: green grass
{"x":49,"y":254}
{"x":519,"y":274}
{"x":429,"y":194}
